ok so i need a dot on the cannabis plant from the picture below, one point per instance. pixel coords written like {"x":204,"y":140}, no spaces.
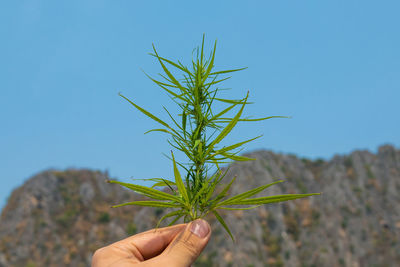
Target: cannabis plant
{"x":198,"y":131}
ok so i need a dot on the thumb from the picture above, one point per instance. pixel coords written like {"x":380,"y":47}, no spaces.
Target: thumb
{"x":187,"y":245}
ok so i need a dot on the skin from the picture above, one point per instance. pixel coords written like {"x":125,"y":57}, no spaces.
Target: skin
{"x":174,"y":246}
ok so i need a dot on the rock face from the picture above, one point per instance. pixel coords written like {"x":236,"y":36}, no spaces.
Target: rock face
{"x":60,"y":218}
{"x":355,"y":222}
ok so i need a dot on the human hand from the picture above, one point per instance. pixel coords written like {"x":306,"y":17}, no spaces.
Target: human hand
{"x":174,"y":246}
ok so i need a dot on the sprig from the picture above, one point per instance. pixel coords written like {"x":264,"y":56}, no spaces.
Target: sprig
{"x":198,"y":131}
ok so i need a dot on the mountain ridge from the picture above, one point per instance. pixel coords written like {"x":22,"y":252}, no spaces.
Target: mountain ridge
{"x":58,"y":218}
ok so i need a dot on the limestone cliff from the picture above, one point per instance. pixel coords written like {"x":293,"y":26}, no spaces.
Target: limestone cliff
{"x":58,"y":218}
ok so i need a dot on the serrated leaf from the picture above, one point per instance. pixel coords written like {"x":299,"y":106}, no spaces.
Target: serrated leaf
{"x":148,"y":114}
{"x":233,"y":101}
{"x":226,"y":120}
{"x":147,"y":191}
{"x":270,"y":199}
{"x":214,"y":183}
{"x":171,"y":214}
{"x":228,"y":148}
{"x":223,"y":112}
{"x":159,"y":182}
{"x":235,"y":157}
{"x":158,"y":130}
{"x":227,"y":71}
{"x":228,"y":128}
{"x":181,"y":148}
{"x":248,"y":194}
{"x":211,"y":64}
{"x":202,"y":51}
{"x":215,"y":81}
{"x":171,"y":63}
{"x":149,"y":203}
{"x":163,"y":184}
{"x":173,"y":79}
{"x":225,"y":190}
{"x":222,"y":222}
{"x":203,"y":188}
{"x":172,"y":118}
{"x":179,"y":182}
{"x":248,"y":208}
{"x":176,"y":218}
{"x":266,"y":118}
{"x":163,"y":86}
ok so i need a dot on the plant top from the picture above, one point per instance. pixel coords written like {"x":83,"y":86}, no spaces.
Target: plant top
{"x":198,"y":131}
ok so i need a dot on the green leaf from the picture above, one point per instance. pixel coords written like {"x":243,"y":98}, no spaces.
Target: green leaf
{"x":223,"y":112}
{"x":159,"y":130}
{"x":179,"y":182}
{"x":182,"y":148}
{"x":248,"y":208}
{"x":196,"y":143}
{"x":228,"y":128}
{"x":215,"y":81}
{"x":226,"y":120}
{"x":147,"y":191}
{"x":147,"y":113}
{"x":163,"y":86}
{"x":211,"y":64}
{"x":173,"y":79}
{"x":171,"y":63}
{"x":266,"y":118}
{"x":176,"y":218}
{"x":159,"y":182}
{"x":159,"y":82}
{"x":149,"y":203}
{"x":145,"y":179}
{"x":222,"y":222}
{"x":184,"y":119}
{"x":215,"y":180}
{"x":232,"y":101}
{"x":271,"y":199}
{"x":220,"y":151}
{"x":225,"y":190}
{"x":248,"y":194}
{"x":164,"y":183}
{"x":202,"y":51}
{"x":172,"y":118}
{"x":227,"y":71}
{"x":234,"y":157}
{"x":171,"y":214}
{"x":203,"y":188}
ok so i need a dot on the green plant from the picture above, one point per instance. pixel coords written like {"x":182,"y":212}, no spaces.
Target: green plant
{"x":198,"y":133}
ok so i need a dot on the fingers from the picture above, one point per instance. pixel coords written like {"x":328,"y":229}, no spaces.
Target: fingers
{"x":186,"y":247}
{"x":179,"y":245}
{"x":137,"y":248}
{"x":149,"y":244}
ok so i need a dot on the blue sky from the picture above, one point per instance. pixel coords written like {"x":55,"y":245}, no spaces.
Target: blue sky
{"x":334,"y":66}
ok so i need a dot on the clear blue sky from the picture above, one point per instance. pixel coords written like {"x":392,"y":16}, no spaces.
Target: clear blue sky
{"x":334,"y":66}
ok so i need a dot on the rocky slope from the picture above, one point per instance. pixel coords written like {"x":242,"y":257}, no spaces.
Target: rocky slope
{"x":58,"y":218}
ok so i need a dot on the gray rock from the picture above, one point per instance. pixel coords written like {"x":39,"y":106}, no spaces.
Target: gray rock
{"x":59,"y":218}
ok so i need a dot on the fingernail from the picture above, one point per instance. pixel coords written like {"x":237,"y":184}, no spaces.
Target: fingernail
{"x":200,"y":228}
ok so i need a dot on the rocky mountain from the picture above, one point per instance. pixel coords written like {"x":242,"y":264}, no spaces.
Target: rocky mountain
{"x":59,"y":218}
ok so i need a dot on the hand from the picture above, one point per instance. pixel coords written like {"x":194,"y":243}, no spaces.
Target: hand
{"x":174,"y":246}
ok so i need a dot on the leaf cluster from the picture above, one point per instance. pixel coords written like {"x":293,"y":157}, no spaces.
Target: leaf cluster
{"x":198,"y":131}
